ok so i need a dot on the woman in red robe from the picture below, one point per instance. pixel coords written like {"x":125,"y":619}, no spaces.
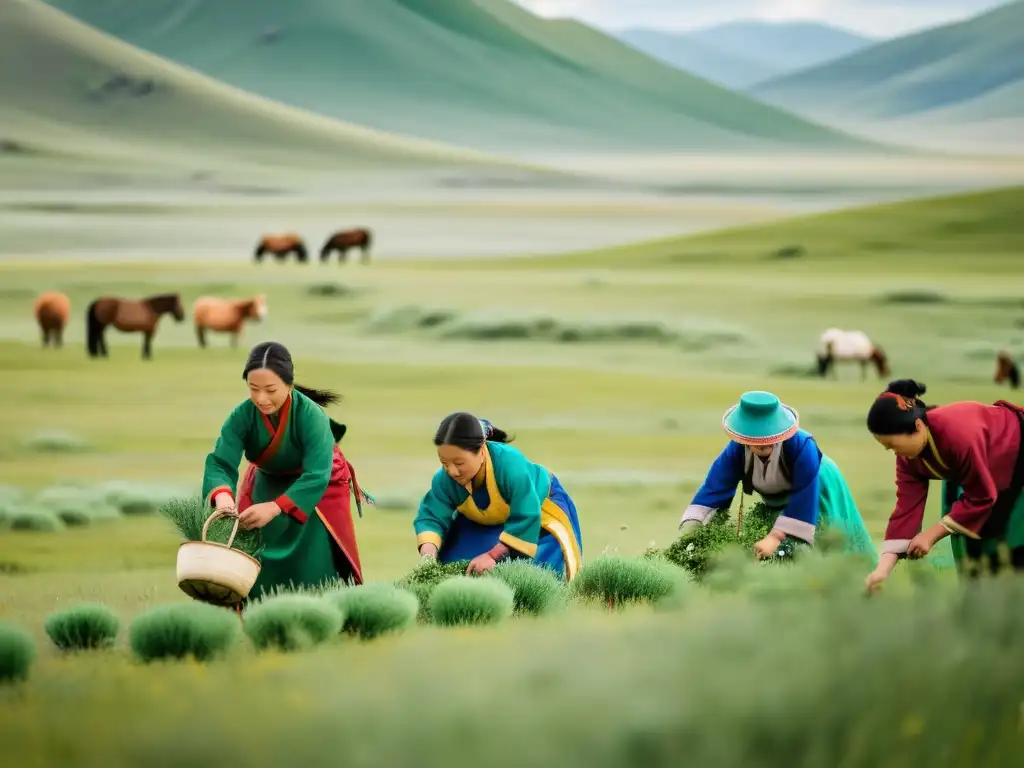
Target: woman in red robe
{"x":975,"y":449}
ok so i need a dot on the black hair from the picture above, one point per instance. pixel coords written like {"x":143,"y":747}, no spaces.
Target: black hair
{"x":275,"y":357}
{"x":466,"y":431}
{"x":896,"y":411}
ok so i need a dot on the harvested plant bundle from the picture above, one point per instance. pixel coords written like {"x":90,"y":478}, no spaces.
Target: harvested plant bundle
{"x":189,"y":515}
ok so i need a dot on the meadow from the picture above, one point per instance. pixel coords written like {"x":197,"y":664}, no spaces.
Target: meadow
{"x":611,"y":367}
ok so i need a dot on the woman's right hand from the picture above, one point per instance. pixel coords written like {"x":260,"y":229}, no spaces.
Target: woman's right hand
{"x":428,"y":552}
{"x":223,"y":501}
{"x":878,"y":576}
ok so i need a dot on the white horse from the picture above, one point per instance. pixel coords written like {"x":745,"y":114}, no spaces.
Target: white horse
{"x":836,"y":345}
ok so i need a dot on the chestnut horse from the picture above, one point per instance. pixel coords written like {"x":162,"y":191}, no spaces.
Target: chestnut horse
{"x":281,"y":246}
{"x":349,"y":238}
{"x":130,"y":316}
{"x":212,"y":314}
{"x":836,"y":345}
{"x":1006,"y":370}
{"x":51,"y":311}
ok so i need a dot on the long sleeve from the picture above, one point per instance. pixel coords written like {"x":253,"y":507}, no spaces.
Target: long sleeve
{"x":435,"y":514}
{"x":970,"y":512}
{"x":800,"y":517}
{"x":302,"y":496}
{"x":719,"y":486}
{"x":220,"y":472}
{"x":522,"y":528}
{"x":906,"y":519}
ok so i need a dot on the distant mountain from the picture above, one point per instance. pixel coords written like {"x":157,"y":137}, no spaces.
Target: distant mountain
{"x":698,"y":58}
{"x":476,"y":73}
{"x":971,"y":70}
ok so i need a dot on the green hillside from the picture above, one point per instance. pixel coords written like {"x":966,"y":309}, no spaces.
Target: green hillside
{"x":69,"y":89}
{"x":480,"y":73}
{"x":915,"y":74}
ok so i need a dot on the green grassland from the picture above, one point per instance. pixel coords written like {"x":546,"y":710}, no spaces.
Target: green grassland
{"x":613,"y":369}
{"x":479,"y":74}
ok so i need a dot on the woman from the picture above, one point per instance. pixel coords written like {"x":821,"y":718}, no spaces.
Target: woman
{"x":975,"y":449}
{"x":488,"y":502}
{"x":770,"y":454}
{"x":297,"y":485}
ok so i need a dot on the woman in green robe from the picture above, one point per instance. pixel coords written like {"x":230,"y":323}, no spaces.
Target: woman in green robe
{"x":298,"y":483}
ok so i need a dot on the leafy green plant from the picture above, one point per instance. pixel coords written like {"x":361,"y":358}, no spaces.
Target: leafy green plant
{"x":292,"y":622}
{"x":182,"y":630}
{"x":427,"y":574}
{"x":85,"y":626}
{"x":469,"y":600}
{"x":189,"y":515}
{"x":17,"y":653}
{"x":536,"y":590}
{"x":622,"y":580}
{"x":371,"y":610}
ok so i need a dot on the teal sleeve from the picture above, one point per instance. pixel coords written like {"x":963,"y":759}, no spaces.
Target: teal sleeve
{"x":302,"y":496}
{"x":434,"y":517}
{"x":220,"y":473}
{"x":522,"y":529}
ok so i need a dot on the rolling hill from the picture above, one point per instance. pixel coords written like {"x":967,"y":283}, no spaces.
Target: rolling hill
{"x":478,"y":73}
{"x":978,"y":61}
{"x":70,"y":90}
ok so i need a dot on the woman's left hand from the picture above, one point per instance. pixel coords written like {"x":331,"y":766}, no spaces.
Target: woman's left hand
{"x":481,"y":564}
{"x":258,"y":515}
{"x":919,"y":546}
{"x":767,"y":546}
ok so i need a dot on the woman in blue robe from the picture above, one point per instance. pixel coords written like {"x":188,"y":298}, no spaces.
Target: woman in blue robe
{"x":488,"y":502}
{"x":770,"y":454}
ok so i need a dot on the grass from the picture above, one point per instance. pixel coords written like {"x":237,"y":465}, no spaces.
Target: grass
{"x":630,"y":430}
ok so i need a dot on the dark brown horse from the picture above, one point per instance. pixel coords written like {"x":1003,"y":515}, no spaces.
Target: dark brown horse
{"x":281,"y":246}
{"x":130,"y":316}
{"x":350,"y":238}
{"x":52,"y":310}
{"x":1006,"y":370}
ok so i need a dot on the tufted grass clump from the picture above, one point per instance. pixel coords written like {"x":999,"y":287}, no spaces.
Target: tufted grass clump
{"x":189,"y":514}
{"x":57,"y":441}
{"x":292,"y":622}
{"x":468,"y":600}
{"x":536,"y":590}
{"x":17,"y":653}
{"x":34,"y":519}
{"x":86,"y":626}
{"x":619,"y":580}
{"x":372,"y":610}
{"x":427,"y":574}
{"x":131,"y":498}
{"x":181,"y":630}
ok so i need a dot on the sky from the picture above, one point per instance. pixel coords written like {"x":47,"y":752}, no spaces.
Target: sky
{"x":879,"y":18}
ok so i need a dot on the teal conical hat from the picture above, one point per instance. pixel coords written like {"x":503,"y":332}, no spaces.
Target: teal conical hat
{"x":760,"y":419}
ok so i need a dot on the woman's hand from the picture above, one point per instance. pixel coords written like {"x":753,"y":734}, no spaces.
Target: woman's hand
{"x":767,"y":546}
{"x":223,"y":502}
{"x":428,"y":551}
{"x":481,"y":564}
{"x":922,"y":544}
{"x":877,"y":577}
{"x":689,"y":526}
{"x":258,"y":515}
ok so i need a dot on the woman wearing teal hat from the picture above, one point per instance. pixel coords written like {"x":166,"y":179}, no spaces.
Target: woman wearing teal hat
{"x":770,"y":454}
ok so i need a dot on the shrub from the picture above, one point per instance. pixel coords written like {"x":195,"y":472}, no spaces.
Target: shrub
{"x":622,"y":580}
{"x":57,"y":441}
{"x":427,"y":574}
{"x":181,"y":630}
{"x":536,"y":590}
{"x":85,"y":626}
{"x":17,"y":652}
{"x":134,"y":498}
{"x":292,"y":622}
{"x":190,"y":514}
{"x":468,"y":600}
{"x":371,"y":610}
{"x":34,"y":519}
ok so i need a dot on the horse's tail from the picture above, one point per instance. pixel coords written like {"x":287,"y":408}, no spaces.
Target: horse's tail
{"x":93,"y":329}
{"x":300,"y":251}
{"x":369,"y":239}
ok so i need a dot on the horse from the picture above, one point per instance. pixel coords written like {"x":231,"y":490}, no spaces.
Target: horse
{"x":350,"y":238}
{"x":226,"y":315}
{"x":838,"y":345}
{"x":51,"y":310}
{"x":1006,"y":369}
{"x":281,"y":246}
{"x":128,"y":315}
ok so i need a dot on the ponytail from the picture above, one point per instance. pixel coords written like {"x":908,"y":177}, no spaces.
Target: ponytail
{"x":322,"y":397}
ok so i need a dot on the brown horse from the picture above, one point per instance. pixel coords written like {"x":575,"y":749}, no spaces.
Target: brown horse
{"x":130,"y":316}
{"x":349,"y":238}
{"x":1006,"y":370}
{"x":51,"y":310}
{"x":212,"y":314}
{"x":281,"y":246}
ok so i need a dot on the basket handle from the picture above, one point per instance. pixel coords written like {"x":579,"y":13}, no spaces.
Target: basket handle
{"x":217,"y":514}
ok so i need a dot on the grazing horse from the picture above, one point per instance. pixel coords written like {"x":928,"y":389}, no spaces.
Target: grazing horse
{"x":838,"y":345}
{"x":281,"y":246}
{"x":1006,"y":369}
{"x":212,"y":314}
{"x":52,"y":310}
{"x":130,"y":316}
{"x":349,"y":238}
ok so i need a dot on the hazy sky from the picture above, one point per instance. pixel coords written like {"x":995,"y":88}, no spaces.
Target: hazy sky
{"x":873,"y":17}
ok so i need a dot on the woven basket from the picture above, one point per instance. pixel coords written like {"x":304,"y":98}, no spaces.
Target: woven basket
{"x":216,"y":573}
